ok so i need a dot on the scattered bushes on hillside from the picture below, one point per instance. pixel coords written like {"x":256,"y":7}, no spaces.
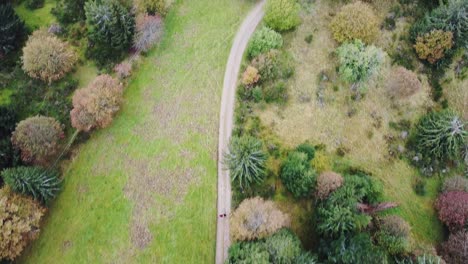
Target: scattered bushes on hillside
{"x":43,"y":185}
{"x":282,"y":15}
{"x":245,"y":160}
{"x":403,"y":83}
{"x":327,"y":182}
{"x":38,"y":138}
{"x":263,"y":41}
{"x":453,"y":209}
{"x":455,"y":184}
{"x":96,"y":105}
{"x":355,"y":21}
{"x":12,"y":30}
{"x":256,"y":218}
{"x":454,"y":250}
{"x":394,"y":235}
{"x":149,"y":30}
{"x":297,"y":175}
{"x":46,"y":57}
{"x":250,"y":76}
{"x":283,"y":246}
{"x":432,"y":46}
{"x":19,"y":221}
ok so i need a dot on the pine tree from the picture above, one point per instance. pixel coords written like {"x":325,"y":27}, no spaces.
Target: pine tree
{"x":12,"y":29}
{"x":39,"y":183}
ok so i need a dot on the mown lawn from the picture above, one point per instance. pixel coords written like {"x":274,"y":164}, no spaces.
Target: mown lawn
{"x":144,"y":189}
{"x":37,"y":18}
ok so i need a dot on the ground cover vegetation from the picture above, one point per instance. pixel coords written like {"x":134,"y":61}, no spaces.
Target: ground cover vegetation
{"x":366,"y":143}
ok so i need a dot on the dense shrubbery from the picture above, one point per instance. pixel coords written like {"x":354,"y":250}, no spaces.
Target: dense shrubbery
{"x":245,"y":160}
{"x":403,"y":83}
{"x":453,"y":209}
{"x":263,"y":41}
{"x":151,"y":6}
{"x":308,"y":149}
{"x":38,"y":138}
{"x":283,"y":246}
{"x":19,"y":221}
{"x":248,"y":252}
{"x":96,"y":105}
{"x":282,"y":15}
{"x":432,"y":46}
{"x":43,"y":185}
{"x":394,"y":235}
{"x":256,"y":218}
{"x":149,"y":30}
{"x":69,"y":11}
{"x":327,"y":182}
{"x":12,"y":30}
{"x":297,"y":175}
{"x":46,"y":57}
{"x":455,"y":184}
{"x":454,"y":250}
{"x":355,"y":21}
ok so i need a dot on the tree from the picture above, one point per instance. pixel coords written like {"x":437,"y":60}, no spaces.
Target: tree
{"x":358,"y":62}
{"x":336,"y":221}
{"x":151,"y":6}
{"x":403,"y":83}
{"x":440,"y":136}
{"x":263,"y":41}
{"x":248,"y":252}
{"x":297,"y":175}
{"x":46,"y":57}
{"x":111,"y":27}
{"x":308,"y":149}
{"x":282,"y":15}
{"x":12,"y":30}
{"x":327,"y":182}
{"x":245,"y":160}
{"x":283,"y":246}
{"x":306,"y":258}
{"x":432,"y":46}
{"x":149,"y":30}
{"x":455,"y":184}
{"x":453,"y":209}
{"x":256,"y":218}
{"x":394,"y":235}
{"x":19,"y":223}
{"x":355,"y":21}
{"x":69,"y":11}
{"x":43,"y":185}
{"x":250,"y":76}
{"x":455,"y":249}
{"x":38,"y":138}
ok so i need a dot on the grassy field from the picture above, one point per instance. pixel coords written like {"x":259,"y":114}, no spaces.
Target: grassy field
{"x":320,"y":109}
{"x":144,"y":190}
{"x":37,"y":18}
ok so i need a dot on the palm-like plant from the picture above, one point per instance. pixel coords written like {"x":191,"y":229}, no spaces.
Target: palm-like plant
{"x":245,"y":160}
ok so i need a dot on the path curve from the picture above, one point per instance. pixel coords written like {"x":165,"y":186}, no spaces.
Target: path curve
{"x":225,"y":126}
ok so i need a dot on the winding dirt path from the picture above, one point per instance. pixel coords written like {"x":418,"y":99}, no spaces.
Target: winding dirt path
{"x":225,"y":126}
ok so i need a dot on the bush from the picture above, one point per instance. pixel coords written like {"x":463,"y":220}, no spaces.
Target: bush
{"x":34,"y":4}
{"x":248,"y":252}
{"x":149,"y":30}
{"x":96,"y":105}
{"x":392,"y":244}
{"x":20,"y":218}
{"x":245,"y":160}
{"x":327,"y":182}
{"x":250,"y":76}
{"x":336,"y":221}
{"x":263,"y":41}
{"x":453,"y":209}
{"x":282,"y":15}
{"x":43,"y":185}
{"x":308,"y":149}
{"x":429,"y":259}
{"x":306,"y":258}
{"x":12,"y":30}
{"x":297,"y":175}
{"x":275,"y":92}
{"x":353,"y":249}
{"x":321,"y":162}
{"x":38,"y":138}
{"x":403,"y":83}
{"x":69,"y":11}
{"x":151,"y":6}
{"x":358,"y":62}
{"x":394,"y":235}
{"x":454,"y":249}
{"x":395,"y":226}
{"x":355,"y":21}
{"x":455,"y":184}
{"x":283,"y":246}
{"x":432,"y":46}
{"x":46,"y":57}
{"x":256,"y":218}
{"x":123,"y":70}
{"x":267,"y":64}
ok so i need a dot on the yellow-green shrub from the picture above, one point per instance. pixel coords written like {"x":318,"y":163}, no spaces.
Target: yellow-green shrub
{"x":433,"y":45}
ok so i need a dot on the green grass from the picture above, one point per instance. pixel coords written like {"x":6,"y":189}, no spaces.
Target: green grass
{"x":41,"y":17}
{"x":5,"y":96}
{"x":153,"y":172}
{"x":85,"y":73}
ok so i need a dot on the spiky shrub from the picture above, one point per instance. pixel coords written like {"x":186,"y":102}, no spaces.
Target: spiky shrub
{"x":96,"y":105}
{"x":306,"y":258}
{"x":38,"y":138}
{"x":248,"y":252}
{"x":43,"y":185}
{"x":149,"y":30}
{"x":454,"y":250}
{"x":355,"y":21}
{"x":282,"y":15}
{"x":394,"y":234}
{"x":20,"y":218}
{"x":455,"y":184}
{"x":453,"y":209}
{"x":256,"y":218}
{"x":263,"y":41}
{"x":46,"y":57}
{"x":353,"y":249}
{"x":359,"y":62}
{"x":308,"y":149}
{"x":327,"y":182}
{"x":440,"y":136}
{"x":403,"y":83}
{"x":12,"y":29}
{"x":432,"y":46}
{"x":245,"y":160}
{"x":429,"y":259}
{"x":250,"y":76}
{"x":283,"y":246}
{"x":297,"y":175}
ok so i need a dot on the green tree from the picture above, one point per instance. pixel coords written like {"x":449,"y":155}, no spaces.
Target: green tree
{"x":282,"y":15}
{"x":248,"y":253}
{"x":43,"y":185}
{"x":263,"y":41}
{"x":69,"y":11}
{"x":353,"y":249}
{"x":245,"y":160}
{"x":297,"y":175}
{"x":12,"y":30}
{"x":284,"y":247}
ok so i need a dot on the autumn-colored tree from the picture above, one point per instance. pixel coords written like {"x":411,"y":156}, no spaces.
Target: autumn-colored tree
{"x":19,"y":223}
{"x":432,"y":46}
{"x":256,"y":218}
{"x":96,"y":105}
{"x":149,"y":30}
{"x":250,"y":76}
{"x":455,"y":249}
{"x":355,"y":21}
{"x":327,"y":182}
{"x":38,"y":138}
{"x":453,"y":209}
{"x":46,"y":57}
{"x":403,"y":83}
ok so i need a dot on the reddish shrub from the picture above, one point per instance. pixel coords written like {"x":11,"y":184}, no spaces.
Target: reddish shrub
{"x":455,"y":249}
{"x":453,"y":209}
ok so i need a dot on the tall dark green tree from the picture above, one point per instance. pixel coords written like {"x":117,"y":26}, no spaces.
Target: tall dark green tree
{"x":69,"y":11}
{"x":111,"y":27}
{"x":12,"y":30}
